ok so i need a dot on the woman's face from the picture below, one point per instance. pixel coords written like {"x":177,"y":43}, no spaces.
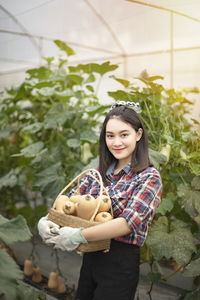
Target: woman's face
{"x":121,"y":139}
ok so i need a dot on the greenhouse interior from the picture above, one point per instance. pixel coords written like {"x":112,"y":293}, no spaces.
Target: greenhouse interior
{"x":64,"y":66}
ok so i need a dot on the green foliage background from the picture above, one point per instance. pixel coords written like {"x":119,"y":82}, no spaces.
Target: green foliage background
{"x":49,"y":133}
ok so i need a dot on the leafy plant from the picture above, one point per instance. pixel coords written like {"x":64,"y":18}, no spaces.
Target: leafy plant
{"x":11,"y":286}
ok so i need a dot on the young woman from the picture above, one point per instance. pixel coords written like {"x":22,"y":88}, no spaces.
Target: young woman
{"x":134,"y":187}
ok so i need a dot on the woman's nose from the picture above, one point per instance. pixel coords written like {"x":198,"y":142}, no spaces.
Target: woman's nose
{"x":117,"y":141}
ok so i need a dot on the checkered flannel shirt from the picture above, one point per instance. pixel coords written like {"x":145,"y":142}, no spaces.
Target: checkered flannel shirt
{"x":134,"y":197}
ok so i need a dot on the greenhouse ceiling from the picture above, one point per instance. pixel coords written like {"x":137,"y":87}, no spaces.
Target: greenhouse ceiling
{"x":159,"y":36}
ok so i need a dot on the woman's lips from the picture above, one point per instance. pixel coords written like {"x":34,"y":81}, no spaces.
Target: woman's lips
{"x":118,"y":150}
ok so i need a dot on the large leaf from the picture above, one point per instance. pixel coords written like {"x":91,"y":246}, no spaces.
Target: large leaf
{"x":193,"y":268}
{"x":191,"y":203}
{"x":9,"y":274}
{"x":89,"y":136}
{"x":51,"y":180}
{"x":14,"y":230}
{"x":171,"y":241}
{"x":94,"y":68}
{"x":73,"y":143}
{"x":56,"y":116}
{"x":31,"y":150}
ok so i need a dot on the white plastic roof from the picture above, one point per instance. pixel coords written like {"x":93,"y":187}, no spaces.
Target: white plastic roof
{"x":161,"y":36}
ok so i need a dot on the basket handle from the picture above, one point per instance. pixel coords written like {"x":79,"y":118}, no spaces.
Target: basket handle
{"x":100,"y":183}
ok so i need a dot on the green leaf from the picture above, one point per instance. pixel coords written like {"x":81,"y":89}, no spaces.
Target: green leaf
{"x":97,"y":109}
{"x":14,"y":230}
{"x":33,"y":128}
{"x":4,"y":133}
{"x":90,"y":88}
{"x":89,"y":136}
{"x":153,"y":78}
{"x":104,"y":68}
{"x":50,"y":180}
{"x":75,"y":78}
{"x":154,"y":277}
{"x":46,"y":91}
{"x":124,"y":82}
{"x":31,"y":150}
{"x":190,"y":202}
{"x":73,"y":143}
{"x":56,"y":116}
{"x":174,"y":241}
{"x":32,"y":215}
{"x":48,"y":60}
{"x":182,"y":189}
{"x":43,"y":84}
{"x":9,"y":274}
{"x":167,"y":204}
{"x":41,"y":73}
{"x":197,"y":235}
{"x":122,"y":95}
{"x":196,"y":183}
{"x":91,"y":78}
{"x":194,"y":295}
{"x":63,"y":46}
{"x":25,"y":291}
{"x":156,"y":158}
{"x":94,"y":68}
{"x":10,"y":179}
{"x":193,"y":268}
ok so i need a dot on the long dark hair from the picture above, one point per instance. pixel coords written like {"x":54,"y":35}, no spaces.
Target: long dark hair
{"x":140,"y":158}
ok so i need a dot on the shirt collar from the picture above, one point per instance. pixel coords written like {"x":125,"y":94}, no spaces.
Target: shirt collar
{"x":110,"y":170}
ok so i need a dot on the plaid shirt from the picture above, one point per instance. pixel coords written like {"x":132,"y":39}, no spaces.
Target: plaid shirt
{"x":134,"y":197}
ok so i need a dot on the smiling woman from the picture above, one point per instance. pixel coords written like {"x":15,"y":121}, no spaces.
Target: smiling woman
{"x":134,"y":188}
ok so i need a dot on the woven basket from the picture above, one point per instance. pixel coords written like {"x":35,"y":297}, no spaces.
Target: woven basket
{"x":73,"y":221}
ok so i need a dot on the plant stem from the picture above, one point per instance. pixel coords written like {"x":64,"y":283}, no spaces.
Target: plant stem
{"x":150,"y":290}
{"x":172,"y":274}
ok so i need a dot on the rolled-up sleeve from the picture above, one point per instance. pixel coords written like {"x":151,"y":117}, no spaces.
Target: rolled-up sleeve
{"x":142,"y":205}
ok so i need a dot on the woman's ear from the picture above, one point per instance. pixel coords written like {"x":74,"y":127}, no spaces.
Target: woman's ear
{"x":139,"y":134}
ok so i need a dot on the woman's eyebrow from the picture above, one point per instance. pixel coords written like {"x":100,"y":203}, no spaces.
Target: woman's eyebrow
{"x":122,"y":131}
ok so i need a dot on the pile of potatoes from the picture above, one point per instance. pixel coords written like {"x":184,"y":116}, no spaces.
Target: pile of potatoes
{"x":83,"y":206}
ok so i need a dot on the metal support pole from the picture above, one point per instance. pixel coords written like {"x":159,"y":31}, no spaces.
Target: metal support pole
{"x":172,"y":51}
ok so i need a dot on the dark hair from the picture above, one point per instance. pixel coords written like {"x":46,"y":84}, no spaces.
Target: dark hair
{"x":140,"y":158}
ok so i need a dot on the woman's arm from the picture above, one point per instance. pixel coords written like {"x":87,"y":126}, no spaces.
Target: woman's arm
{"x":108,"y":230}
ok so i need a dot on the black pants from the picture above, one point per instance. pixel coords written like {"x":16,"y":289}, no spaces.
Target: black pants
{"x":110,"y":276}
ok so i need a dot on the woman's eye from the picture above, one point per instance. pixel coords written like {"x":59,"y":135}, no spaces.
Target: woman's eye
{"x":124,"y":134}
{"x":109,"y":136}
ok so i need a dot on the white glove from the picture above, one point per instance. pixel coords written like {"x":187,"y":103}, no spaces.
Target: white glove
{"x":68,"y":238}
{"x":47,"y":229}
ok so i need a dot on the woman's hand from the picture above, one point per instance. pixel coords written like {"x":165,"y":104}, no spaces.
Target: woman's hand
{"x":68,"y":239}
{"x":47,"y":229}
